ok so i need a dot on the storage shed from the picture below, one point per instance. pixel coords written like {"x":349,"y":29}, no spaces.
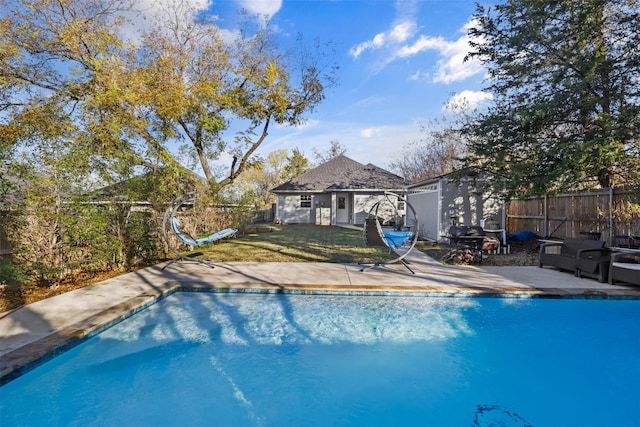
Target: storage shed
{"x":458,"y":198}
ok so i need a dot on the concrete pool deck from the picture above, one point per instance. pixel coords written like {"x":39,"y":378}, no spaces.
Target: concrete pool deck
{"x":36,"y":332}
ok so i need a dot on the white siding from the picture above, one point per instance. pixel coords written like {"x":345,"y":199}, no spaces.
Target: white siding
{"x":288,"y":207}
{"x":427,"y":207}
{"x":465,"y":204}
{"x":362,"y":204}
{"x":289,"y":210}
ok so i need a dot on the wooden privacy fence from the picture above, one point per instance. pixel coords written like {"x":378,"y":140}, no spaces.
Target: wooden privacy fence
{"x":264,"y":216}
{"x":601,"y":214}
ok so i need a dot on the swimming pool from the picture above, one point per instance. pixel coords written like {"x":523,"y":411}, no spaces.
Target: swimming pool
{"x":292,"y":360}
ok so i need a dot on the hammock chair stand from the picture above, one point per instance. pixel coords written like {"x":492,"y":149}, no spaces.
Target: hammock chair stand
{"x":170,"y":222}
{"x":374,"y":235}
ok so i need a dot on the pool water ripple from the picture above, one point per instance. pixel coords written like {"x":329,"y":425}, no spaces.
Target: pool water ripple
{"x":275,"y":360}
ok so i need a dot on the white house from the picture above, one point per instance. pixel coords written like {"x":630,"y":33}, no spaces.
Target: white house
{"x":340,"y":191}
{"x":457,"y":198}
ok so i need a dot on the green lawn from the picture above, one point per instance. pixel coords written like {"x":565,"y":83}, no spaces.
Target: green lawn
{"x":287,"y":243}
{"x":297,"y":243}
{"x":314,"y":243}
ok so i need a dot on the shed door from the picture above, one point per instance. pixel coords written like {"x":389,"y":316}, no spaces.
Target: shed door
{"x":428,"y":212}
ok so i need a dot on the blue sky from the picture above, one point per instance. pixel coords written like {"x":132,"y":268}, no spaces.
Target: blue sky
{"x":400,"y":63}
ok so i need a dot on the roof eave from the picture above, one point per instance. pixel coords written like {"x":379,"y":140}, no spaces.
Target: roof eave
{"x":341,"y":190}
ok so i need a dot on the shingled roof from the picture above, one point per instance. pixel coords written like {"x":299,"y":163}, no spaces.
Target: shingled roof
{"x":342,"y":174}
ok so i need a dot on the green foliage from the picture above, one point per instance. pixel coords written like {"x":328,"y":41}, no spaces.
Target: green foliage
{"x":180,"y":83}
{"x":297,"y":165}
{"x":83,"y":104}
{"x":9,"y":275}
{"x":141,"y":240}
{"x":84,"y":238}
{"x":567,"y":111}
{"x":59,"y":232}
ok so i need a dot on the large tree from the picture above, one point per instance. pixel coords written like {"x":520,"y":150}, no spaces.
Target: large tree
{"x":564,"y":78}
{"x":167,"y":95}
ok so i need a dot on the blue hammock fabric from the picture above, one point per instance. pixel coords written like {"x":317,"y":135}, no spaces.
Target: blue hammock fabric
{"x":175,"y":225}
{"x":395,"y":239}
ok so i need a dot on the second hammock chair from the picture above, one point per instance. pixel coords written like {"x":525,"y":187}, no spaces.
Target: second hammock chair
{"x":172,"y":223}
{"x":400,"y":241}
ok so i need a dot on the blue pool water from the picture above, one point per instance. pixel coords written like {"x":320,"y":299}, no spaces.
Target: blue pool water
{"x":209,"y":359}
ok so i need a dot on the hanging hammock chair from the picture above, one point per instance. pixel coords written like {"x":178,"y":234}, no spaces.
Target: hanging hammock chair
{"x":171,"y":223}
{"x":396,"y":239}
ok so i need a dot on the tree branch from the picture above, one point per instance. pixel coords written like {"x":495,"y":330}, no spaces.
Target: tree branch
{"x":237,"y":168}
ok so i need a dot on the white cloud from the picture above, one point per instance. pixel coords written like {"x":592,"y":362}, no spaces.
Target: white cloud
{"x":419,"y":75}
{"x":155,"y":6}
{"x":403,"y":29}
{"x":370,"y":132}
{"x":402,"y":32}
{"x":262,"y":7}
{"x":398,"y":34}
{"x":452,"y":66}
{"x":467,"y":100}
{"x":397,"y":44}
{"x":148,"y":12}
{"x":423,"y":44}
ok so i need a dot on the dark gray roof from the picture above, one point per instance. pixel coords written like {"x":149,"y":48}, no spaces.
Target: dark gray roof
{"x":342,"y":173}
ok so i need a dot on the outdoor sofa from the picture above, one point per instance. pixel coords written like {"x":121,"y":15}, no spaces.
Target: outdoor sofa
{"x":627,"y":241}
{"x":625,"y":267}
{"x":583,"y":257}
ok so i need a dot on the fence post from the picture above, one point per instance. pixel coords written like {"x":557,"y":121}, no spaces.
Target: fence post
{"x":545,"y":208}
{"x":611,"y":205}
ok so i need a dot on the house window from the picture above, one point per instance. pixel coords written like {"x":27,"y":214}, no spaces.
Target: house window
{"x":342,"y":201}
{"x":400,"y":205}
{"x":305,"y":200}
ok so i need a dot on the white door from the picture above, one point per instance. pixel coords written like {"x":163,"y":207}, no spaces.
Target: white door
{"x":342,"y":207}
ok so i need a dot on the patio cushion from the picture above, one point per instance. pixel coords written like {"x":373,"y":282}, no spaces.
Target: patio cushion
{"x":625,"y":267}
